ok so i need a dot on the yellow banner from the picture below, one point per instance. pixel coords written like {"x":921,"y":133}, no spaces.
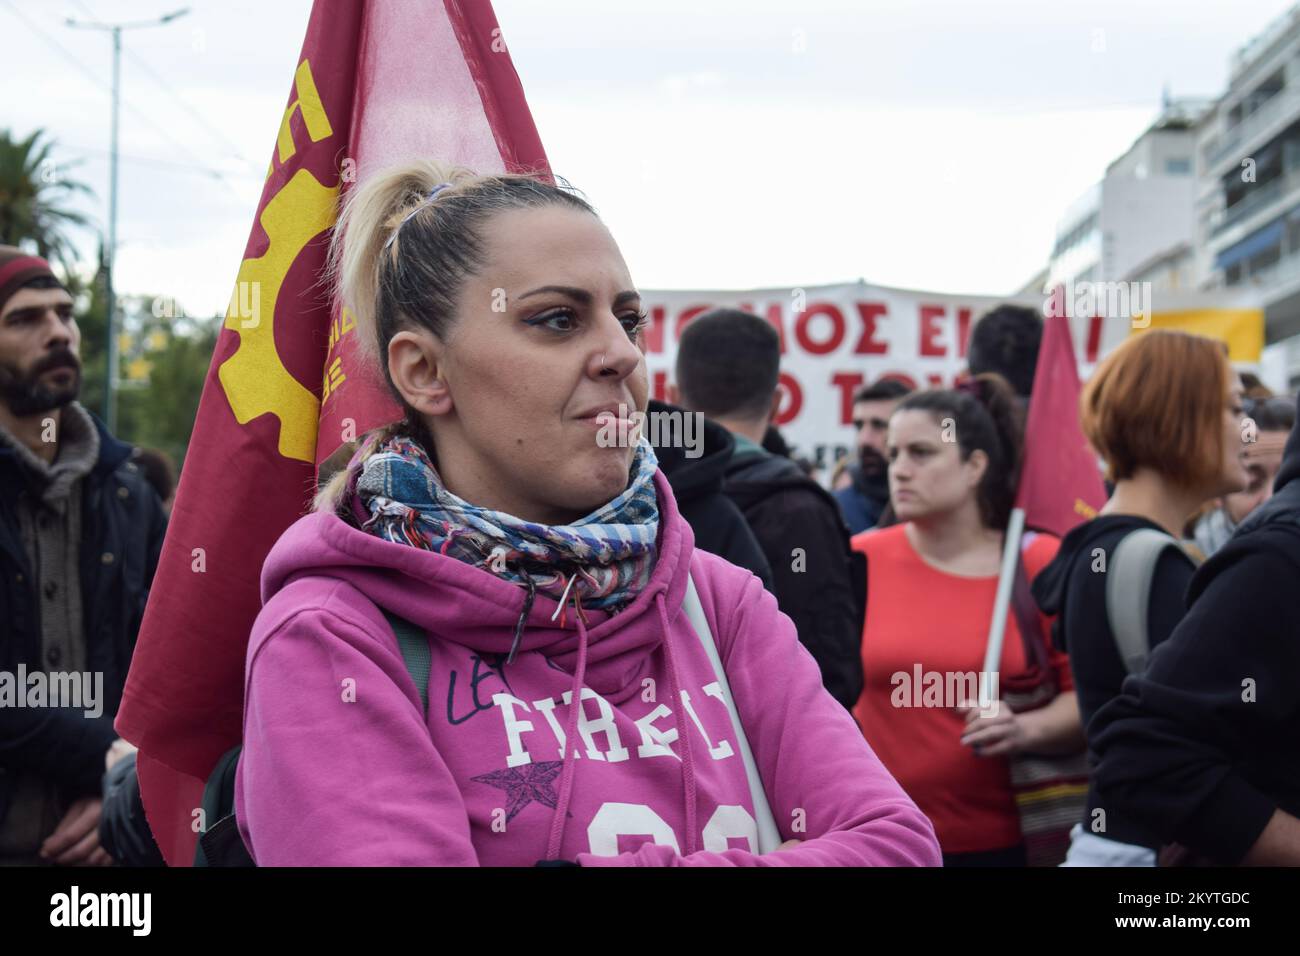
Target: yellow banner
{"x":1241,"y":329}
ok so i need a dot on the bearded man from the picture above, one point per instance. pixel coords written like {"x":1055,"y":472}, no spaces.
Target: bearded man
{"x":80,"y":534}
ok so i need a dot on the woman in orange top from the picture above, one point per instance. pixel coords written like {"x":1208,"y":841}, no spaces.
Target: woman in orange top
{"x":931,"y":582}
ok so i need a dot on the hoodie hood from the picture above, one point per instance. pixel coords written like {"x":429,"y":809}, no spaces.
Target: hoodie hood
{"x":750,"y":478}
{"x":476,"y":609}
{"x":694,"y":478}
{"x":1051,"y":583}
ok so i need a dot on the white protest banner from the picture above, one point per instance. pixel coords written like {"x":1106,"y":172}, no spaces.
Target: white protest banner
{"x":836,"y":338}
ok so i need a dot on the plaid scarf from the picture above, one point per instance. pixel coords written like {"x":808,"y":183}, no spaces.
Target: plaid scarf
{"x":606,"y":557}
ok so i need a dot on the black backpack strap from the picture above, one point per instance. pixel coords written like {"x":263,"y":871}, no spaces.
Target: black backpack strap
{"x":219,"y":843}
{"x":414,"y":645}
{"x":222,"y":845}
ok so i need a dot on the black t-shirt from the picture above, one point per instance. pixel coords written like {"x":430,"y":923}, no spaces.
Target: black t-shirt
{"x":1073,"y":587}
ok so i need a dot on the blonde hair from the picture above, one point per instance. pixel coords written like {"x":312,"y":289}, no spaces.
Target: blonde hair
{"x":400,"y":255}
{"x":336,"y":471}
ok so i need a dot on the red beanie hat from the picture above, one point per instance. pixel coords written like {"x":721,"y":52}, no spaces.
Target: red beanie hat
{"x":17,"y":268}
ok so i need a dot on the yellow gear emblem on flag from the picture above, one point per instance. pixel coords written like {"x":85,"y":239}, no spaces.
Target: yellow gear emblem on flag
{"x":254,"y":379}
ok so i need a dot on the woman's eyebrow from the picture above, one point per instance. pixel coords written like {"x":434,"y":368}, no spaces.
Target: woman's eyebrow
{"x":581,"y":296}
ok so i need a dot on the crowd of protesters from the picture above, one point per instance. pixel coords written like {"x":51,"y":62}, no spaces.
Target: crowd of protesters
{"x":664,"y":639}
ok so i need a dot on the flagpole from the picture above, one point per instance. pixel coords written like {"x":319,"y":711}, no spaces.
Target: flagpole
{"x":1002,"y":602}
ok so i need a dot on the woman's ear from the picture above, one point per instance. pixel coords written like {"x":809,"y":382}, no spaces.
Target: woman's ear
{"x":976,"y":465}
{"x":415,"y":362}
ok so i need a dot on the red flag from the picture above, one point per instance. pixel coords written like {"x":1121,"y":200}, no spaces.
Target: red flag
{"x":1060,"y":484}
{"x":376,"y":84}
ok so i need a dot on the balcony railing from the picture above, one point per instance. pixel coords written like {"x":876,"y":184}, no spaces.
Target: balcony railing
{"x":1287,"y":101}
{"x":1285,"y":269}
{"x":1258,"y":198}
{"x":1257,"y":46}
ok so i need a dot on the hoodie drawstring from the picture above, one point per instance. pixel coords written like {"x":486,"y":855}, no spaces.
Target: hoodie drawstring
{"x":523,"y":615}
{"x":558,"y":822}
{"x":684,"y":734}
{"x":570,"y":739}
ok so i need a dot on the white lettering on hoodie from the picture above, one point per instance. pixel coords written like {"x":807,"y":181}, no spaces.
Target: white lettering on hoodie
{"x":588,"y":728}
{"x":655,"y":741}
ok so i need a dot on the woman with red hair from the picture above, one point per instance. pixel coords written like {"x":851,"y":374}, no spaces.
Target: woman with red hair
{"x":1164,"y":411}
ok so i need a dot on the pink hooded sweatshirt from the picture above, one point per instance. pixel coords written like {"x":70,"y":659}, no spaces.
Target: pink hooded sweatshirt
{"x":341,"y":766}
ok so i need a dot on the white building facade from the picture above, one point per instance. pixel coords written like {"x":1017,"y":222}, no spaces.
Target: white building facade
{"x":1138,"y":223}
{"x":1248,"y":202}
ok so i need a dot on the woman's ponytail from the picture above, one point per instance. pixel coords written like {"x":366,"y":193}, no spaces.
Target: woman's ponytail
{"x":1005,"y":412}
{"x":364,"y":247}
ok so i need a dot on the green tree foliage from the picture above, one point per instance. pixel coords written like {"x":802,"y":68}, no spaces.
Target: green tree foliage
{"x":161,"y":369}
{"x":163,"y":353}
{"x":159,"y":411}
{"x":33,"y":197}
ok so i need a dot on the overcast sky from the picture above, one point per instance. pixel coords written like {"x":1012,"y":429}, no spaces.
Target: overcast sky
{"x":727,"y":144}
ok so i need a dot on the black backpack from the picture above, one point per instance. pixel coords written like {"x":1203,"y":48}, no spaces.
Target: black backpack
{"x":220,"y":844}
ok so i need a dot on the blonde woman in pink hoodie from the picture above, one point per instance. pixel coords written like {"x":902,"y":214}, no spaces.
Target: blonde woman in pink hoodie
{"x":584,"y":686}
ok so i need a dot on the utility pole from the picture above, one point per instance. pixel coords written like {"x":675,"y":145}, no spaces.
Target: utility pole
{"x":110,"y":379}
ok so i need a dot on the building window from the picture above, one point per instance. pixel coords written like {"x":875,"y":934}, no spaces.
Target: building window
{"x":1265,"y":261}
{"x":1178,"y":167}
{"x":1075,"y":236}
{"x":1292,"y":235}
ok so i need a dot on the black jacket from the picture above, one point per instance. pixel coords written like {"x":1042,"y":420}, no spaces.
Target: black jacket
{"x":1205,"y":745}
{"x":122,"y":525}
{"x":1073,"y":589}
{"x":819,"y":581}
{"x":716,"y":522}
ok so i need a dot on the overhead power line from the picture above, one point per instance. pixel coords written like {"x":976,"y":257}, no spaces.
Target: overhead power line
{"x":107,"y":89}
{"x":162,"y":83}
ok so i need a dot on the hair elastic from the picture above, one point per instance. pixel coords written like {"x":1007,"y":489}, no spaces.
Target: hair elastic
{"x":427,"y":199}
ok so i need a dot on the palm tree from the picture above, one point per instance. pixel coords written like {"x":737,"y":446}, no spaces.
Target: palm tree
{"x":33,"y":197}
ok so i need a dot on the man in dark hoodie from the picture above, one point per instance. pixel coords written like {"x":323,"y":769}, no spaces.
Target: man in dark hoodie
{"x":696,"y":477}
{"x":727,"y":368}
{"x":1202,"y":747}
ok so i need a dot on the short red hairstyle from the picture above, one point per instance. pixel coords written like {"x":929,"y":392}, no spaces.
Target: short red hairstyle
{"x":1157,"y":402}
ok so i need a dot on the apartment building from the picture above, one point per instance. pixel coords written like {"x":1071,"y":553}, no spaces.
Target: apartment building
{"x":1248,"y":198}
